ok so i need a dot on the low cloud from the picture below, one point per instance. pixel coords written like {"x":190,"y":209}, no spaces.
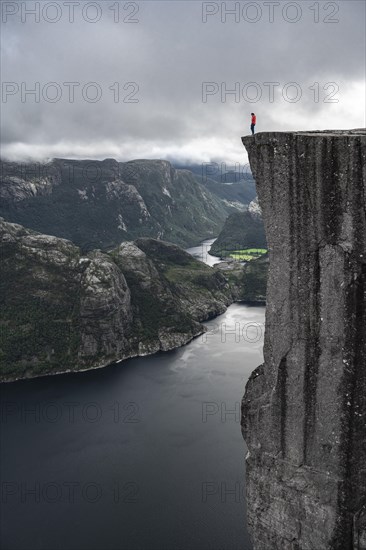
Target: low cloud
{"x":173,"y":86}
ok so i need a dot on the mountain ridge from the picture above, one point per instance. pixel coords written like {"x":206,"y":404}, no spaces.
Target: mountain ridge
{"x":97,"y":204}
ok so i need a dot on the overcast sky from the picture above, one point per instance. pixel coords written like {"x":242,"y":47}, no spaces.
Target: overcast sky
{"x":171,"y":67}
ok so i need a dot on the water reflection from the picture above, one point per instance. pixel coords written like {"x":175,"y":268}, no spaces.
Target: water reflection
{"x":150,"y":457}
{"x":201,"y":252}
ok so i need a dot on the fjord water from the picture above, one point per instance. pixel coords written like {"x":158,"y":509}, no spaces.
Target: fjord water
{"x":143,"y":455}
{"x":201,"y":252}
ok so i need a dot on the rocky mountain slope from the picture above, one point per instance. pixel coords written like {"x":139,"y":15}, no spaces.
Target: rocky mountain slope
{"x":249,"y":281}
{"x":62,"y":309}
{"x":304,"y":409}
{"x":98,"y":204}
{"x":241,"y":230}
{"x":235,"y":187}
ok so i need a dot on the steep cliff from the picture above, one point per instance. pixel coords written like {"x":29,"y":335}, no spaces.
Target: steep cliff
{"x":304,"y":409}
{"x":235,"y":187}
{"x":241,"y":230}
{"x":62,"y":310}
{"x":98,"y":204}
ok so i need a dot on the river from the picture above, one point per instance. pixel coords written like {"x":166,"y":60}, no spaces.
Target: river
{"x":201,"y":252}
{"x":143,"y":455}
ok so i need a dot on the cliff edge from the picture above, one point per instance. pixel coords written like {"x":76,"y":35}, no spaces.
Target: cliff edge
{"x":304,"y":409}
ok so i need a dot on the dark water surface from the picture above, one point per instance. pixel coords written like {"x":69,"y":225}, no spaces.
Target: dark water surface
{"x":146,"y":454}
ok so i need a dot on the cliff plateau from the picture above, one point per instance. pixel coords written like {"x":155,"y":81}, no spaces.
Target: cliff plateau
{"x":304,"y":409}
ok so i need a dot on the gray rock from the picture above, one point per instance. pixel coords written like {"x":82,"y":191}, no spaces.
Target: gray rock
{"x":98,"y":204}
{"x":62,"y":310}
{"x":304,"y":409}
{"x":241,"y":230}
{"x":105,"y":310}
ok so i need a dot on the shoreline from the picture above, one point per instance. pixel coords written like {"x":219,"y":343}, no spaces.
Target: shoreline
{"x":11,"y":380}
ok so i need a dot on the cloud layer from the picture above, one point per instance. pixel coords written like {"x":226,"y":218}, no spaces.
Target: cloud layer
{"x":181,"y":81}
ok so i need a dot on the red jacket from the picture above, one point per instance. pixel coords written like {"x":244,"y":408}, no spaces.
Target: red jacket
{"x":254,"y":119}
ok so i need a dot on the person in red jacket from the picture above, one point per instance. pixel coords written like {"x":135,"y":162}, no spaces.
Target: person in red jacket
{"x":254,"y":122}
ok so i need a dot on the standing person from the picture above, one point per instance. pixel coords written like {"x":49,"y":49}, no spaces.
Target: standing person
{"x":254,"y":122}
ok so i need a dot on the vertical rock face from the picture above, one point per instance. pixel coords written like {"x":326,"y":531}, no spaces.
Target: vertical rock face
{"x":99,"y":204}
{"x":304,"y":409}
{"x":62,"y":310}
